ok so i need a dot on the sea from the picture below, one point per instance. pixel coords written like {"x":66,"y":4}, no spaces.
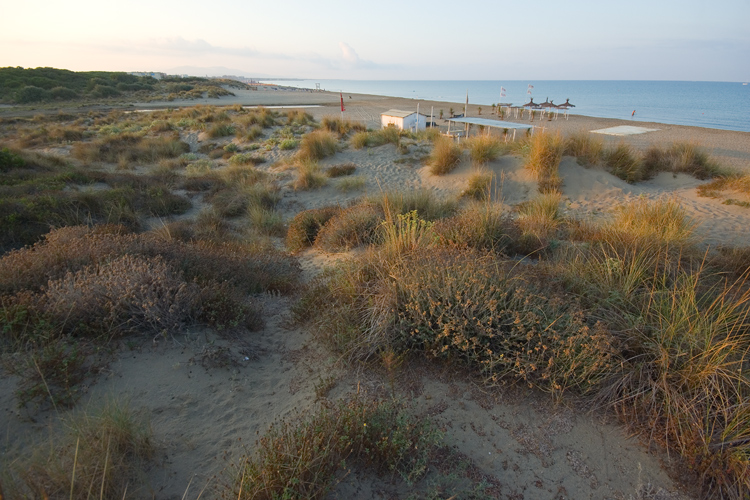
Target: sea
{"x":718,"y":105}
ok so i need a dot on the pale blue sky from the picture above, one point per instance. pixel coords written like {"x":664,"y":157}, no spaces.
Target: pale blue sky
{"x":388,"y":39}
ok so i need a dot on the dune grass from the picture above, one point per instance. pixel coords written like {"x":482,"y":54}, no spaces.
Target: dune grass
{"x":342,"y":127}
{"x":588,"y":149}
{"x":310,"y":175}
{"x":483,"y":148}
{"x":105,"y":453}
{"x":317,"y":145}
{"x":543,"y":160}
{"x":444,"y":157}
{"x":301,"y":459}
{"x":479,"y":185}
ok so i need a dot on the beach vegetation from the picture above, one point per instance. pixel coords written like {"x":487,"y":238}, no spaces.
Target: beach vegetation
{"x":483,"y":149}
{"x":304,"y":227}
{"x":105,"y":451}
{"x":342,"y":127}
{"x":310,"y":175}
{"x":587,"y":149}
{"x":351,"y":227}
{"x":301,"y":459}
{"x":341,"y":170}
{"x":317,"y":145}
{"x":352,"y":183}
{"x":545,"y":151}
{"x":479,"y":185}
{"x":681,"y":157}
{"x":444,"y":157}
{"x":624,"y":162}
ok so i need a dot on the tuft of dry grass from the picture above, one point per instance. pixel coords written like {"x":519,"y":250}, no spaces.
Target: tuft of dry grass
{"x":479,"y":185}
{"x":342,"y":127}
{"x":317,"y":145}
{"x":299,"y":460}
{"x":106,"y":453}
{"x":587,"y":149}
{"x":683,"y":157}
{"x":483,"y":149}
{"x":543,"y":160}
{"x":352,"y":227}
{"x":304,"y":227}
{"x":444,"y":157}
{"x":309,"y":176}
{"x":624,"y":162}
{"x":341,"y":170}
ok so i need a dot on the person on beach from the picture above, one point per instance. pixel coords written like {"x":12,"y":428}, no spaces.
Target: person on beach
{"x":633,"y":114}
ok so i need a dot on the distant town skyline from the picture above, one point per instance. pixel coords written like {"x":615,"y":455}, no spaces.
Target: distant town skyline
{"x":437,"y":40}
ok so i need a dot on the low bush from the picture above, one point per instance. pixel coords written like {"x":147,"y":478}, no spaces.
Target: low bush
{"x":483,"y":149}
{"x":309,"y":176}
{"x":340,"y":126}
{"x":479,"y":186}
{"x":341,"y":170}
{"x":587,"y":149}
{"x":444,"y":157}
{"x":317,"y":145}
{"x":680,"y":157}
{"x":299,"y":460}
{"x":625,"y":163}
{"x":353,"y":226}
{"x":543,"y":160}
{"x":304,"y":227}
{"x":107,"y":451}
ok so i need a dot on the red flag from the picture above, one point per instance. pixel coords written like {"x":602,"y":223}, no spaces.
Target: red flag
{"x":342,"y":101}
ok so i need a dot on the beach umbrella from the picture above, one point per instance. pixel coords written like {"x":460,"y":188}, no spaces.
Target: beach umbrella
{"x":531,"y":104}
{"x":566,"y":104}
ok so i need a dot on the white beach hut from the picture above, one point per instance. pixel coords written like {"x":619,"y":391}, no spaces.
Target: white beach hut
{"x":403,"y":120}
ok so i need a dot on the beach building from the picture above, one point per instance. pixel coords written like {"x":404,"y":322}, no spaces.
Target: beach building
{"x":403,"y":120}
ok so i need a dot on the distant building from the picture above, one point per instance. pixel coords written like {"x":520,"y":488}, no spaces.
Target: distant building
{"x":152,"y":74}
{"x":403,"y":120}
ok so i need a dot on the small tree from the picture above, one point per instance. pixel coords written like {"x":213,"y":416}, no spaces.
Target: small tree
{"x":441,"y":114}
{"x":451,"y":112}
{"x":480,"y":110}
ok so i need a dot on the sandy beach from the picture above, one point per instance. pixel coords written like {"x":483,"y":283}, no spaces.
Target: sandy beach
{"x":206,"y":413}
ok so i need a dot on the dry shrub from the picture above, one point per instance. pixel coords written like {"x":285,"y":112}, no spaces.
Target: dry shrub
{"x":662,"y":220}
{"x":107,"y":452}
{"x":540,"y":217}
{"x":309,"y":176}
{"x":543,"y":160}
{"x":301,"y":459}
{"x":481,"y":226}
{"x":425,"y":202}
{"x":483,"y":149}
{"x":680,"y":157}
{"x":341,"y":126}
{"x":127,"y":294}
{"x":317,"y":145}
{"x":587,"y":149}
{"x":130,"y":148}
{"x":353,"y":226}
{"x":304,"y":227}
{"x":738,"y":184}
{"x":341,"y":170}
{"x":624,"y":162}
{"x":479,"y":185}
{"x":444,"y":157}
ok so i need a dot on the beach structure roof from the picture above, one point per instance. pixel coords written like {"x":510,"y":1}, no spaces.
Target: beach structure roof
{"x":486,"y":122}
{"x":547,"y":104}
{"x":398,"y":113}
{"x":531,"y":104}
{"x":566,"y":104}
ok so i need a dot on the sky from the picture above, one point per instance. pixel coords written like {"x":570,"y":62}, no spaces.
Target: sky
{"x":387,"y":39}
